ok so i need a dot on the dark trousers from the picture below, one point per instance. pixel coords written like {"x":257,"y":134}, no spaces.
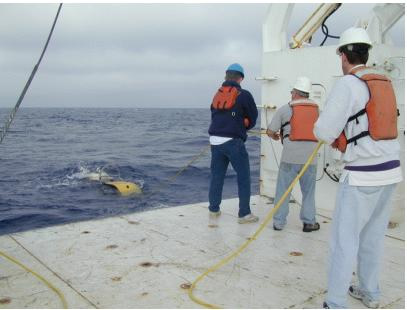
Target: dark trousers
{"x":233,"y":151}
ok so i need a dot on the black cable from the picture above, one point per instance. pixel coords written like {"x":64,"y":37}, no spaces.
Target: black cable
{"x":333,"y":177}
{"x":27,"y":85}
{"x":324,"y":27}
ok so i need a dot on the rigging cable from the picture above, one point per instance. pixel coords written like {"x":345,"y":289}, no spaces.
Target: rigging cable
{"x":333,"y":177}
{"x":27,"y":85}
{"x":171,"y":179}
{"x":324,"y":27}
{"x":3,"y":134}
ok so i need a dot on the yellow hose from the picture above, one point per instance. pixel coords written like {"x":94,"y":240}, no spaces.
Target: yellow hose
{"x":57,"y":291}
{"x":268,"y":218}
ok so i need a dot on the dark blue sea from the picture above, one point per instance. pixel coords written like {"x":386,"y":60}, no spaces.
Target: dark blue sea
{"x":49,"y":152}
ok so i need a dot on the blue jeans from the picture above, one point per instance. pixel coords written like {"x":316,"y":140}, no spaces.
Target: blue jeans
{"x":286,"y":174}
{"x":233,"y":151}
{"x":359,"y":224}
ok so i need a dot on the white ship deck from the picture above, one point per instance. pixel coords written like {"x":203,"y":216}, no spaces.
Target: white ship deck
{"x":141,"y":260}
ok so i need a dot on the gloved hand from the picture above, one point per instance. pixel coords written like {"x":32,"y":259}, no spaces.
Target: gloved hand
{"x":272,"y":134}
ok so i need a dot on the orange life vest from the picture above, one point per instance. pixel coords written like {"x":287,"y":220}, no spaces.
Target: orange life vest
{"x":304,"y":115}
{"x":225,"y":99}
{"x":381,"y":110}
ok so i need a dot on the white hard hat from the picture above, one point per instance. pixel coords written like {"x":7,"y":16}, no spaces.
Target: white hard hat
{"x":303,"y":84}
{"x":354,"y":35}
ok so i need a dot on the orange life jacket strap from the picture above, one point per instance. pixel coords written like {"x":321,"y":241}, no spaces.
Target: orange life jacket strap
{"x":355,"y":116}
{"x":357,"y":137}
{"x":285,"y":124}
{"x":363,"y":133}
{"x":355,"y":70}
{"x":282,"y":137}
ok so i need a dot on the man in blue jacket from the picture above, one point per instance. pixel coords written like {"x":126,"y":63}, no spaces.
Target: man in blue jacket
{"x":233,"y":113}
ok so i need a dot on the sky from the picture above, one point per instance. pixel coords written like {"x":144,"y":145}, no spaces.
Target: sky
{"x":141,"y":55}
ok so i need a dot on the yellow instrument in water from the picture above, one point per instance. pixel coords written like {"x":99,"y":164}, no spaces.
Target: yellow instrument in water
{"x":124,"y":188}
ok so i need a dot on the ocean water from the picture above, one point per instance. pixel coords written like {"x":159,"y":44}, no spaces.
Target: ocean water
{"x":49,"y":152}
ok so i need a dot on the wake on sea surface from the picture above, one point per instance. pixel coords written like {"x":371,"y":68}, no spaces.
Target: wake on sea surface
{"x":49,"y":154}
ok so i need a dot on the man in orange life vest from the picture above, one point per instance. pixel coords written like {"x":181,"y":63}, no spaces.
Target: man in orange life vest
{"x":233,"y":113}
{"x":362,"y":106}
{"x":293,"y":124}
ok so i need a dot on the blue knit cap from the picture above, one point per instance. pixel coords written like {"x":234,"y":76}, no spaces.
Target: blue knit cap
{"x":236,"y":67}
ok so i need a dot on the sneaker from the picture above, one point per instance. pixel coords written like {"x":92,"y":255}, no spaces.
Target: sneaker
{"x":277,"y":228}
{"x":250,"y":218}
{"x":310,"y":227}
{"x":214,"y":214}
{"x":355,"y":292}
{"x":325,"y":306}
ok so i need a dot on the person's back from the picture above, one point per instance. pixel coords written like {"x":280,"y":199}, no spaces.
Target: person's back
{"x":366,"y":151}
{"x":230,"y":123}
{"x":294,"y":152}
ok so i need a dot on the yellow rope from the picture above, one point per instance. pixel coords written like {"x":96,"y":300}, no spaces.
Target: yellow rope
{"x":57,"y":291}
{"x":268,"y":218}
{"x":257,"y":132}
{"x":182,"y":169}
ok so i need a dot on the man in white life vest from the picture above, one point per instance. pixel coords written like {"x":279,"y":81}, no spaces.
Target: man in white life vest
{"x":293,"y":124}
{"x":372,"y":171}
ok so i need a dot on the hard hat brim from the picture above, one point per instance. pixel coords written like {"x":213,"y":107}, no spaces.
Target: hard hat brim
{"x":302,"y":90}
